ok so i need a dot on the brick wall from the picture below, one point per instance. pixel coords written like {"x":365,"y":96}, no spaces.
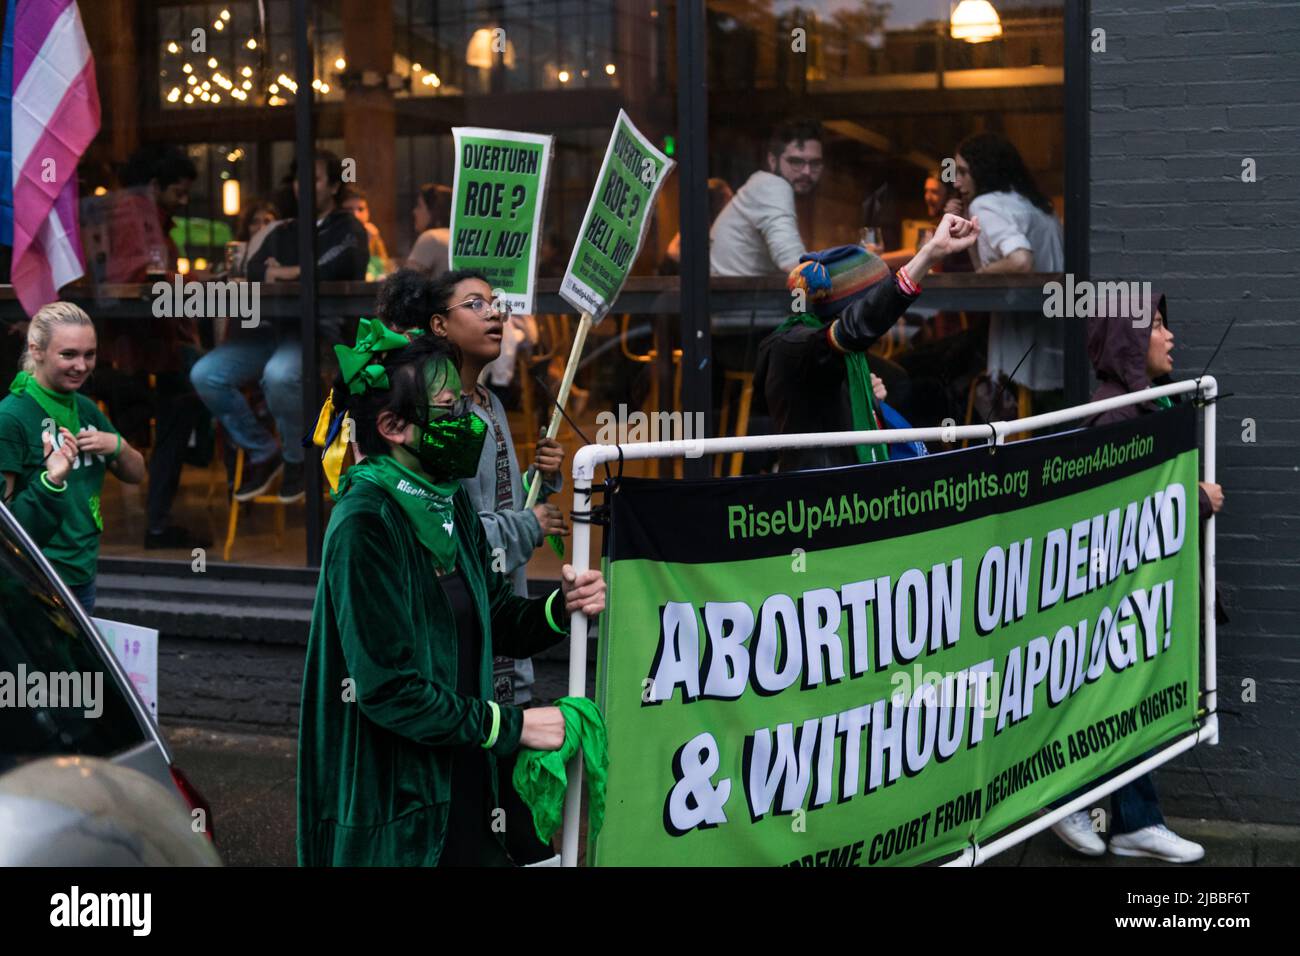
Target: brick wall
{"x":1182,"y":94}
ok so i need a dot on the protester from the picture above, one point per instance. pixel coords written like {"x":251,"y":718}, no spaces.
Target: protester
{"x":813,"y":371}
{"x":353,"y":199}
{"x":466,"y":317}
{"x":1019,"y":232}
{"x":261,"y":353}
{"x":432,"y":218}
{"x":53,"y":484}
{"x":407,"y":300}
{"x":400,"y":736}
{"x":1129,"y":356}
{"x":757,"y":233}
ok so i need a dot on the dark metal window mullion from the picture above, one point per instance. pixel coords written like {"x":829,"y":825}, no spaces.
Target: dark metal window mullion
{"x":304,"y":69}
{"x":693,"y":198}
{"x":1077,"y":195}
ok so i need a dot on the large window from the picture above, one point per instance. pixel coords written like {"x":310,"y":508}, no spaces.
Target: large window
{"x":208,"y":92}
{"x":891,"y":90}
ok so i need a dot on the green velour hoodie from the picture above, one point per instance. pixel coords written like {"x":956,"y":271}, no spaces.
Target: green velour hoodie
{"x":375,"y":754}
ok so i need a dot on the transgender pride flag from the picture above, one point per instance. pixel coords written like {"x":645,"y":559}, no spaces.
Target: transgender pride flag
{"x":49,"y":113}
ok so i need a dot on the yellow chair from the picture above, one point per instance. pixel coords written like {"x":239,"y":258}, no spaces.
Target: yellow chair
{"x":745,"y":398}
{"x":233,"y":524}
{"x":652,"y":397}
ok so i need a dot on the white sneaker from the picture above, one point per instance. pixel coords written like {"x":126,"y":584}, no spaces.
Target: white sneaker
{"x":1158,"y":841}
{"x":1076,"y":832}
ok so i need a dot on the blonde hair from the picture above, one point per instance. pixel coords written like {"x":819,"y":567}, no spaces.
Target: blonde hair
{"x":42,"y":326}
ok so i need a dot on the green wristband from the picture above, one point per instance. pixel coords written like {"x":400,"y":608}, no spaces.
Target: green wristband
{"x":496,"y":724}
{"x":56,"y":489}
{"x":118,"y":450}
{"x":551,"y":620}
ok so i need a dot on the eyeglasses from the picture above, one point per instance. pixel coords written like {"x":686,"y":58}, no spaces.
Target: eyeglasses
{"x":480,"y":306}
{"x":812,"y":165}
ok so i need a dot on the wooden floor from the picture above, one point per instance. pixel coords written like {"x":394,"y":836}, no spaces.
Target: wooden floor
{"x":202,"y":506}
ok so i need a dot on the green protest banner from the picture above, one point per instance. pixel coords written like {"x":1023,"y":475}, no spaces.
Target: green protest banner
{"x":878,"y":665}
{"x":616,"y":220}
{"x":498,"y":198}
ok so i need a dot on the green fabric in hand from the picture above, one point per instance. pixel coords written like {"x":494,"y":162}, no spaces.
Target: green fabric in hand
{"x":540,"y":776}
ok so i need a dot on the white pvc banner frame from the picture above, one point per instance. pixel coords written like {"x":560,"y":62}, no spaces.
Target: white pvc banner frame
{"x":589,"y":457}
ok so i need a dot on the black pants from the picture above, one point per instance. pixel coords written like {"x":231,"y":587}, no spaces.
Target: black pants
{"x":521,"y":834}
{"x":178,"y":412}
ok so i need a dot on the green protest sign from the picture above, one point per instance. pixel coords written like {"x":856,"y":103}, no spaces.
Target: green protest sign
{"x":878,"y":665}
{"x":616,"y":220}
{"x":498,"y":199}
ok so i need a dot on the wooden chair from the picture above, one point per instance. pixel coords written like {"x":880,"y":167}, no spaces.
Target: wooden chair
{"x":648,"y":358}
{"x":745,"y":398}
{"x":526,"y":364}
{"x":232,"y":525}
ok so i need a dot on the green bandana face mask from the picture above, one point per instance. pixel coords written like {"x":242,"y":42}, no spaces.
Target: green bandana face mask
{"x":449,"y":439}
{"x":449,"y":449}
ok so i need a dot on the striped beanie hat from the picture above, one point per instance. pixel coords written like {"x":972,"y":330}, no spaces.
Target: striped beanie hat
{"x":832,"y":278}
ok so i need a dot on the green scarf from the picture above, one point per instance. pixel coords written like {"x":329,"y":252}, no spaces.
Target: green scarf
{"x":1164,"y":402}
{"x":427,"y":504}
{"x":540,"y":776}
{"x":861,"y":401}
{"x":60,"y":406}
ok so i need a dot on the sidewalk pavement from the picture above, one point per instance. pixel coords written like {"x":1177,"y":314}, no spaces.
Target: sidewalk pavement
{"x":249,"y":781}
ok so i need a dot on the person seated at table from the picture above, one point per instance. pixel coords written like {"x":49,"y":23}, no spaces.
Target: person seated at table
{"x":1019,"y":233}
{"x":353,"y":199}
{"x":252,"y":230}
{"x":268,"y":354}
{"x":812,"y":371}
{"x":144,"y":366}
{"x":432,"y":218}
{"x":757,"y":233}
{"x":720,"y":194}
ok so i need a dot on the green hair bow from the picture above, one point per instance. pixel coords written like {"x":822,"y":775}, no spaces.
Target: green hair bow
{"x":358,"y":372}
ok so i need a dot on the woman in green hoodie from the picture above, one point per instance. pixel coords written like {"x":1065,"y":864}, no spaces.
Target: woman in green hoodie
{"x":399,"y":733}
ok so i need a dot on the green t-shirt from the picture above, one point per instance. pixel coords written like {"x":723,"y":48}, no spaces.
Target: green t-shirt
{"x":74,"y":549}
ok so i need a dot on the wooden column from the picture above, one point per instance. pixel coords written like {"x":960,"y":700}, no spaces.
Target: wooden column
{"x":369,"y":114}
{"x":111,"y":31}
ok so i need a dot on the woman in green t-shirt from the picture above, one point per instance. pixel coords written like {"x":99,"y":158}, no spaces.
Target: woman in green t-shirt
{"x":57,"y":502}
{"x":399,"y":733}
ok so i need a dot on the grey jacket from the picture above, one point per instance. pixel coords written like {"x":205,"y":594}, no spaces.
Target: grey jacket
{"x":516,"y":530}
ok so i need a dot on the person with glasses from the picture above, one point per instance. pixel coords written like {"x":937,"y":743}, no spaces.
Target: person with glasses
{"x":757,"y":233}
{"x":400,"y":735}
{"x":465,"y":315}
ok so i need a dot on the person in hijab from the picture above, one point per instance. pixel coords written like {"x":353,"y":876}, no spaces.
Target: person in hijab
{"x":812,"y":370}
{"x":1128,"y":356}
{"x":400,"y":734}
